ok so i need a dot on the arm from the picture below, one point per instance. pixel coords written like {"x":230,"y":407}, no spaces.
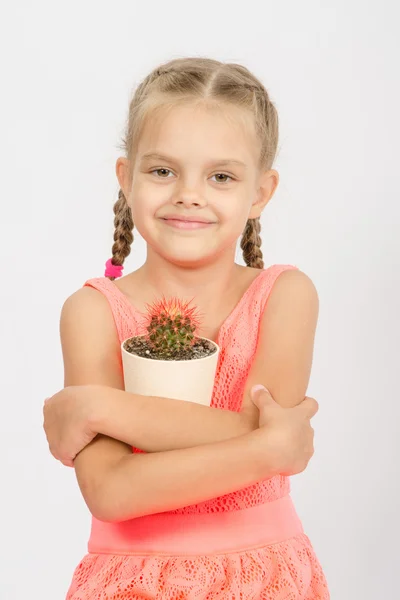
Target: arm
{"x":177,"y":478}
{"x":155,"y":424}
{"x":91,"y":355}
{"x":142,"y":484}
{"x":283,"y":364}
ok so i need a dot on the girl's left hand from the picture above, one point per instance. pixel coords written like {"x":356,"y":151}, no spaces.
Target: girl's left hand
{"x":68,"y":421}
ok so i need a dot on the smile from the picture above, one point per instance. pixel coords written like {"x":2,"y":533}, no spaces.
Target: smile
{"x":186,"y":224}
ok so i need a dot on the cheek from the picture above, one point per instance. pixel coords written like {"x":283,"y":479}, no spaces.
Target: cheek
{"x":232,"y":220}
{"x":233,"y":209}
{"x":146,"y":201}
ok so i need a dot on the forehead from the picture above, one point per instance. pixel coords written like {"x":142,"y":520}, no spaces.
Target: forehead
{"x":196,"y":131}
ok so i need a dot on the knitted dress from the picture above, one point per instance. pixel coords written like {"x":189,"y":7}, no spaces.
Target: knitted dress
{"x":247,"y":545}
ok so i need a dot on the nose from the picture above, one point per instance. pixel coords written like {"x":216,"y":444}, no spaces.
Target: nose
{"x":186,"y":197}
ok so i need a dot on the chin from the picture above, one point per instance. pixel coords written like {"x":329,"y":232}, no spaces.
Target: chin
{"x":185,"y":258}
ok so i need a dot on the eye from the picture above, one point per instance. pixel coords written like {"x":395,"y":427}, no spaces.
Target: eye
{"x":223,"y":175}
{"x":161,"y":169}
{"x":216,"y":174}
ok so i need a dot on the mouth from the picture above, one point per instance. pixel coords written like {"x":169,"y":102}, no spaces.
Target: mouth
{"x":182,"y":224}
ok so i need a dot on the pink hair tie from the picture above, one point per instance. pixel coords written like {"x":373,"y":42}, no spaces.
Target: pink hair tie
{"x":113,"y":270}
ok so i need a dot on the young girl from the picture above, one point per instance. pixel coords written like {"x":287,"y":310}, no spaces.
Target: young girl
{"x":201,"y":508}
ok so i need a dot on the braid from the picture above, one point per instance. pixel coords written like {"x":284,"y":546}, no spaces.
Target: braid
{"x":123,"y":236}
{"x":251,"y":244}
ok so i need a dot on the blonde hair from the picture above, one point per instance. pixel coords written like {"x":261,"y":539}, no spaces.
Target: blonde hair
{"x":202,"y":80}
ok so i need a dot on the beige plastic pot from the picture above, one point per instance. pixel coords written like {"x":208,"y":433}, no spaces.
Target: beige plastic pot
{"x":191,"y":380}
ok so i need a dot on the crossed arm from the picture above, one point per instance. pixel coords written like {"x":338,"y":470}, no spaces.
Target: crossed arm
{"x":190,"y":442}
{"x":156,"y":424}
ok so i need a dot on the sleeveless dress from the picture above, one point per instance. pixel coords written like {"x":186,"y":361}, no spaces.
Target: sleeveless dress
{"x":248,"y":544}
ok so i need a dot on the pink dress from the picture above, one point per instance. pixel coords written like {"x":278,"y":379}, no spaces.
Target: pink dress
{"x":247,"y":545}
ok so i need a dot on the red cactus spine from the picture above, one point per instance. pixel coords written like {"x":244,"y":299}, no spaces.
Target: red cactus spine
{"x":172,"y":325}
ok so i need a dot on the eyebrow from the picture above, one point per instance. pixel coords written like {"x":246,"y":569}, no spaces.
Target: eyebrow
{"x":215,"y":162}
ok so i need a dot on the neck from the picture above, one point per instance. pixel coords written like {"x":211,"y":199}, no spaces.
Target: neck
{"x":205,"y":283}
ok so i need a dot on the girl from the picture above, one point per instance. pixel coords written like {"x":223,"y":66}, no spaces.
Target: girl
{"x":201,"y":508}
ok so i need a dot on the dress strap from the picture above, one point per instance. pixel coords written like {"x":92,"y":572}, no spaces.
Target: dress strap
{"x":124,"y":316}
{"x":264,"y":284}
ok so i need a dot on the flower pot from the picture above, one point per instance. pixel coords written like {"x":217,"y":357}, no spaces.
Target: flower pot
{"x":191,"y":380}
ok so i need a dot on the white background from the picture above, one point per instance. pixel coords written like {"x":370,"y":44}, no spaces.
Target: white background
{"x":68,"y":71}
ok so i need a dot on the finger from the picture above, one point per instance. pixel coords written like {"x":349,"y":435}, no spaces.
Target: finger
{"x":310,"y":406}
{"x":259,"y":393}
{"x":53,"y":453}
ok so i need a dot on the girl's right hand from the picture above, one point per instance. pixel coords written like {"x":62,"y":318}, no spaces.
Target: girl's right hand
{"x":285,"y":434}
{"x":67,"y":421}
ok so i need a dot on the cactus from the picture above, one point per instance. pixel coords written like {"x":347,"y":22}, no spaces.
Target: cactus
{"x":171,"y":326}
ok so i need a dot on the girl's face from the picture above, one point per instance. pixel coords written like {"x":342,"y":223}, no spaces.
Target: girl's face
{"x":180,"y":169}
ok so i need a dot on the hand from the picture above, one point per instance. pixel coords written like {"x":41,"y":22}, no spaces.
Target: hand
{"x":67,"y":421}
{"x":285,"y":433}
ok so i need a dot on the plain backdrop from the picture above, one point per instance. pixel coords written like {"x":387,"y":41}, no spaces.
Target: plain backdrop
{"x":68,"y":71}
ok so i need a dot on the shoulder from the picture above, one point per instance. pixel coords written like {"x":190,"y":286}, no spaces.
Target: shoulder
{"x":293,"y":286}
{"x":87,"y":323}
{"x":292,"y":305}
{"x":85,"y":299}
{"x":89,"y":341}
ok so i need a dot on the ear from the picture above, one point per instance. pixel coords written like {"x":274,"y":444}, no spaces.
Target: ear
{"x":123,"y":175}
{"x":267,"y":184}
